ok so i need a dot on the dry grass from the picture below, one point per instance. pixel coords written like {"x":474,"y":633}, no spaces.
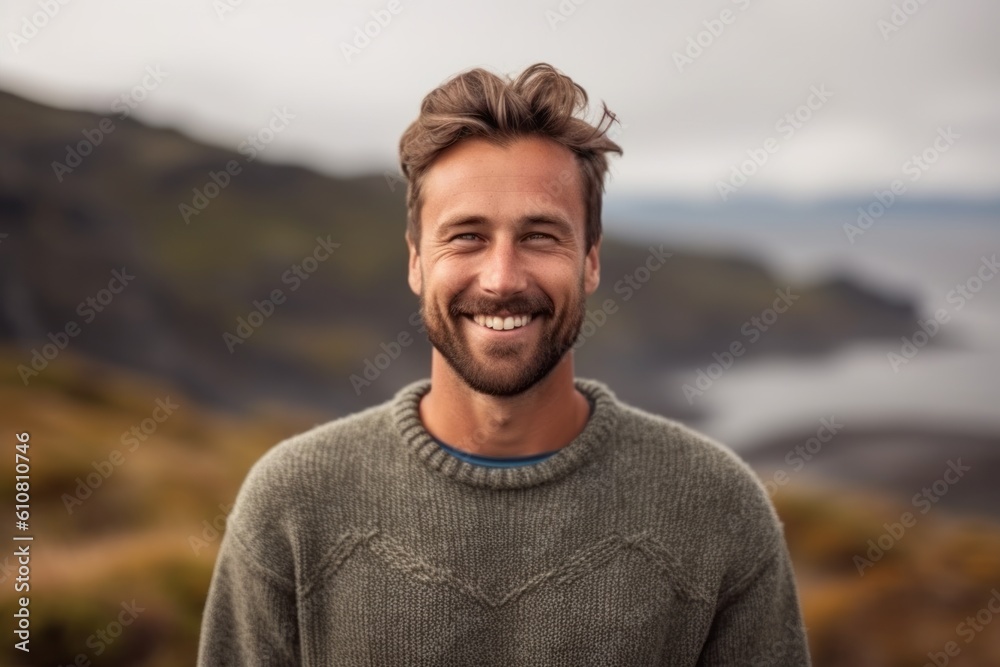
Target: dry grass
{"x":131,"y":539}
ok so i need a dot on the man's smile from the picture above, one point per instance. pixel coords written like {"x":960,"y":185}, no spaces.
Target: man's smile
{"x":502,"y":324}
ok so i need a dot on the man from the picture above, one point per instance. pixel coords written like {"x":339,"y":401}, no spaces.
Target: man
{"x":503,"y":512}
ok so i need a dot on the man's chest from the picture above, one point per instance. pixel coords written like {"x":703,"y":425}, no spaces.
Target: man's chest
{"x":620,"y":598}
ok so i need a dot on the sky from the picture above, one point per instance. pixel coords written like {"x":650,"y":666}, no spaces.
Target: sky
{"x":718,"y":100}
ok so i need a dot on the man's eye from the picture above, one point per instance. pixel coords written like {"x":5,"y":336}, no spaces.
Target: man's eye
{"x":469,"y":236}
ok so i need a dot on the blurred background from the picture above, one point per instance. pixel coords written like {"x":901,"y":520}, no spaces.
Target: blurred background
{"x":824,"y":177}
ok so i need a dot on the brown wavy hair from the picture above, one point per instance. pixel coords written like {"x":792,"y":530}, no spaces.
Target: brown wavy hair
{"x":540,"y":102}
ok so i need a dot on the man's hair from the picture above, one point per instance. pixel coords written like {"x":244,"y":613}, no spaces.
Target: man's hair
{"x":540,"y":102}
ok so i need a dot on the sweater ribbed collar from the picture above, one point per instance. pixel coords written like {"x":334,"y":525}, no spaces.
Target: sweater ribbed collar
{"x":586,"y":446}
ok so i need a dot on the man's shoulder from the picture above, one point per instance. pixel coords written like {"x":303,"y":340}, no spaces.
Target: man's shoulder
{"x":703,"y":470}
{"x":320,"y":467}
{"x":331,"y":439}
{"x":654,"y":435}
{"x":698,"y":485}
{"x":310,"y":466}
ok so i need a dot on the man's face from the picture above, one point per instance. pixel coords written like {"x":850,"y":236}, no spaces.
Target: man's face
{"x":502,"y":235}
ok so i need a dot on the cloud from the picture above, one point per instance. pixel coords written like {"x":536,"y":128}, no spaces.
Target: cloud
{"x":685,"y":127}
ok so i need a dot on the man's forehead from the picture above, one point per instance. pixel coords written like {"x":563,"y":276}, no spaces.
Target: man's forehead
{"x":500,"y":183}
{"x":465,"y":198}
{"x":476,"y":161}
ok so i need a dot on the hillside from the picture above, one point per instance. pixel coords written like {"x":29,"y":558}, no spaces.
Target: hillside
{"x":149,"y":531}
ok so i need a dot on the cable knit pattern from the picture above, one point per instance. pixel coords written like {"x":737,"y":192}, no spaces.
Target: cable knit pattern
{"x":363,"y":542}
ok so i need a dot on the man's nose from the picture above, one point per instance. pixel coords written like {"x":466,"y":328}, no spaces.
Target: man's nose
{"x":503,"y":271}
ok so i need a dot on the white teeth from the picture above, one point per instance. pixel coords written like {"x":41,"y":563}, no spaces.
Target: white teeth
{"x":501,"y":323}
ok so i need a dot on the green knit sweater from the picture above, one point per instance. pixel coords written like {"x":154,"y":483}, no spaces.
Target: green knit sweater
{"x":363,"y":542}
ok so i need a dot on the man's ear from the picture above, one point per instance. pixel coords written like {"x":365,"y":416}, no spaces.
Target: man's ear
{"x":415,"y":277}
{"x":592,"y":268}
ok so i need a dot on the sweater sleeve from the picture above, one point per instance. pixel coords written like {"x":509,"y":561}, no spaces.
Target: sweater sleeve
{"x":758,"y":621}
{"x":250,"y":616}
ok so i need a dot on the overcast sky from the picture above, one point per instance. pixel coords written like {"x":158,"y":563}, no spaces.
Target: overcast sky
{"x":883,"y":87}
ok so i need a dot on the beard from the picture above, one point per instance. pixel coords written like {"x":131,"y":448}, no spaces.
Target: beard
{"x":504,"y":367}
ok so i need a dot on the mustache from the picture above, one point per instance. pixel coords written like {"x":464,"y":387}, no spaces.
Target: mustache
{"x":527,"y":303}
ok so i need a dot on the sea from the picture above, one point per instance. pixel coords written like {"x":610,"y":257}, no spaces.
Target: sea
{"x":939,"y":254}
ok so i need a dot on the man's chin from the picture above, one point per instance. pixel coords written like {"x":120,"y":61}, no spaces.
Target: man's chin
{"x":500,"y":387}
{"x":504,"y":377}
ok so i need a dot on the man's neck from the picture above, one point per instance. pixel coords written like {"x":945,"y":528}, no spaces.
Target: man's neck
{"x":543,"y":419}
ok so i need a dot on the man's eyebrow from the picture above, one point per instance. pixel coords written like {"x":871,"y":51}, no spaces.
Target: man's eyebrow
{"x":556,"y":221}
{"x":460,"y":221}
